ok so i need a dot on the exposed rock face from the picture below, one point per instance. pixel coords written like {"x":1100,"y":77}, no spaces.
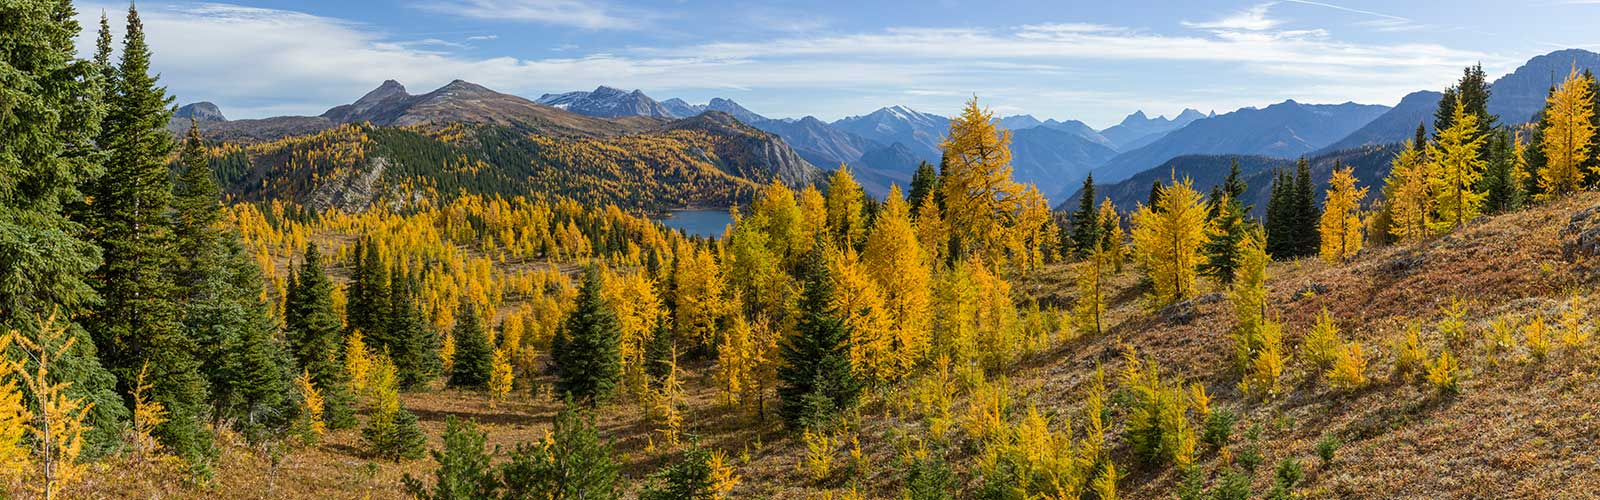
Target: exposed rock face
{"x":202,"y":111}
{"x":351,"y":193}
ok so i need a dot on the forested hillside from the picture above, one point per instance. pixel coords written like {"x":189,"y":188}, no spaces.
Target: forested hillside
{"x":441,"y":307}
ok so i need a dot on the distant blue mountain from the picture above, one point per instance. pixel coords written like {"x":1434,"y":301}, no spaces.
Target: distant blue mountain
{"x":1283,"y":130}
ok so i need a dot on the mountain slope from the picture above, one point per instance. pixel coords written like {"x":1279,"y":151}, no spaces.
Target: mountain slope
{"x":1513,"y":98}
{"x":458,"y":102}
{"x":1518,"y":96}
{"x":607,"y":102}
{"x":1052,"y":159}
{"x":1395,"y":125}
{"x":1284,"y":130}
{"x":921,"y":132}
{"x":823,"y":144}
{"x":1137,"y":129}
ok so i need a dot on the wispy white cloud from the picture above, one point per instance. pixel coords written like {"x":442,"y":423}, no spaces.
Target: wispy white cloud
{"x":586,"y":14}
{"x":1254,"y":19}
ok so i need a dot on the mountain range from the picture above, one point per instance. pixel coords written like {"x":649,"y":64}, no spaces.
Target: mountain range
{"x":1514,"y":98}
{"x":1282,"y":130}
{"x":885,"y":146}
{"x":1137,"y":130}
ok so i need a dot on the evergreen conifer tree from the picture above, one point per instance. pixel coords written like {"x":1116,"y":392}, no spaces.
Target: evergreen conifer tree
{"x":585,"y":352}
{"x":924,"y":183}
{"x":55,"y":101}
{"x":815,"y":381}
{"x":1223,"y":234}
{"x":313,"y":332}
{"x":139,"y":321}
{"x":472,"y":362}
{"x":414,"y":347}
{"x":1085,"y":221}
{"x":1306,"y":214}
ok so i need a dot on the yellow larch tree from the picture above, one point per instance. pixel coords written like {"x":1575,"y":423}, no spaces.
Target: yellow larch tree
{"x":1570,"y":113}
{"x":782,"y":220}
{"x":501,"y":376}
{"x":309,"y":425}
{"x":859,"y":301}
{"x":1112,"y":236}
{"x":1257,"y":339}
{"x":1410,"y":196}
{"x":700,"y":296}
{"x":954,"y":305}
{"x":1034,"y":236}
{"x":846,"y":226}
{"x":895,"y":260}
{"x":357,"y":360}
{"x":983,"y":206}
{"x":813,"y":217}
{"x":57,"y":424}
{"x":931,"y":232}
{"x":1455,"y":167}
{"x":1341,"y":216}
{"x":1091,"y":306}
{"x":632,"y":297}
{"x":14,"y":415}
{"x":147,"y":415}
{"x":995,"y":315}
{"x":1167,"y":240}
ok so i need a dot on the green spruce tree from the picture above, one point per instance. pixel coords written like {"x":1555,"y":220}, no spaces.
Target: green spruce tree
{"x":1307,"y":215}
{"x":48,"y":125}
{"x":815,"y":381}
{"x":472,"y":363}
{"x":572,"y":464}
{"x":585,"y":350}
{"x":924,"y":182}
{"x":414,"y":347}
{"x":1085,"y":222}
{"x":313,"y":332}
{"x":368,"y":299}
{"x":138,"y":322}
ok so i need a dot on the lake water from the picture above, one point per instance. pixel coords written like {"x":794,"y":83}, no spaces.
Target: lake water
{"x":708,"y":223}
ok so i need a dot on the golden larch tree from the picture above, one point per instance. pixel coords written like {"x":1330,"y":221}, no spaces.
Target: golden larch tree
{"x":1167,"y":239}
{"x":1569,"y":112}
{"x":57,"y":424}
{"x":1456,"y":166}
{"x":1341,"y":217}
{"x":983,"y":206}
{"x":931,"y":232}
{"x":1410,"y":196}
{"x":859,"y":301}
{"x":1112,"y":236}
{"x":14,"y":414}
{"x":895,"y":260}
{"x":846,"y":227}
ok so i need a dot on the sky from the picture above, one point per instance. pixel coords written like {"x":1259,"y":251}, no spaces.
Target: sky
{"x":1094,"y":61}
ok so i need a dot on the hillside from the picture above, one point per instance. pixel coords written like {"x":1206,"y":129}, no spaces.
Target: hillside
{"x":1283,"y":130}
{"x":1397,"y":439}
{"x":709,"y":160}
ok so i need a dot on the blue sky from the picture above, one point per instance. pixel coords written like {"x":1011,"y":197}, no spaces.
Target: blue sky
{"x":1090,"y":60}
